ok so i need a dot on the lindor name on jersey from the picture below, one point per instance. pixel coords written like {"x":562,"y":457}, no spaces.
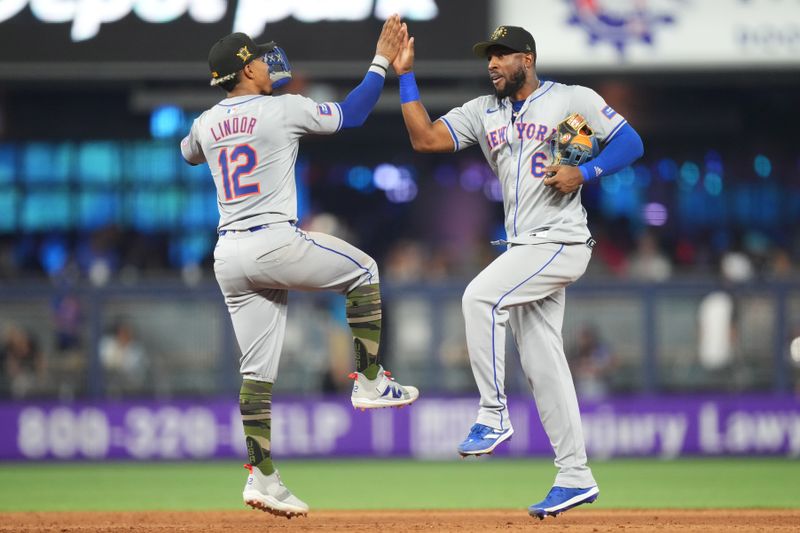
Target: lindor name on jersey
{"x":230,"y":126}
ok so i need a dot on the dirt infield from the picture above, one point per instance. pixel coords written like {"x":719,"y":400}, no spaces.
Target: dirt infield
{"x":577,"y":521}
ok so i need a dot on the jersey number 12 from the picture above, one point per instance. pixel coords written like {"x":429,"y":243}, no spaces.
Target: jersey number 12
{"x":242,"y":161}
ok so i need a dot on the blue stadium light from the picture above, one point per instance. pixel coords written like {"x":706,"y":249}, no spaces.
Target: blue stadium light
{"x":762,"y":166}
{"x":405,"y":191}
{"x":643,"y":175}
{"x":472,"y":178}
{"x":8,"y":212}
{"x":99,"y":162}
{"x":6,"y":163}
{"x":713,"y":162}
{"x":387,"y":177}
{"x":190,"y":249}
{"x":690,"y":175}
{"x":53,"y":255}
{"x":166,"y":122}
{"x":655,"y":214}
{"x":610,"y":184}
{"x":713,"y":183}
{"x":408,"y":172}
{"x":360,"y":178}
{"x":667,"y":169}
{"x":626,"y":177}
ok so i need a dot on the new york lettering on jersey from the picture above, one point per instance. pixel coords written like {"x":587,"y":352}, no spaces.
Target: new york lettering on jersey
{"x":520,"y":167}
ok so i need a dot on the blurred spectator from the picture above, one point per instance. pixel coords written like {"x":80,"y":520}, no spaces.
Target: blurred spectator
{"x":736,"y":267}
{"x":8,"y":265}
{"x":22,"y":362}
{"x":610,"y":252}
{"x":780,"y":266}
{"x":648,"y":263}
{"x":97,"y":256}
{"x":330,"y":224}
{"x":69,"y":362}
{"x":405,"y":262}
{"x":593,"y":364}
{"x":717,"y":331}
{"x":67,"y":321}
{"x":717,"y":313}
{"x":123,"y":359}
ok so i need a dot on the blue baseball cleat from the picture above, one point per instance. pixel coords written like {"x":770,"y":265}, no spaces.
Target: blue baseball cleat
{"x":483,"y":439}
{"x":561,"y":499}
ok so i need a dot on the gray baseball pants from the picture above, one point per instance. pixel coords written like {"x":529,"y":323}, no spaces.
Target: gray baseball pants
{"x":255,"y":271}
{"x":524,"y":288}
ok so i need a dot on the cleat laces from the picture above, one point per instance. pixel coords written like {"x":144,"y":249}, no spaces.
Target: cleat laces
{"x":478,"y":431}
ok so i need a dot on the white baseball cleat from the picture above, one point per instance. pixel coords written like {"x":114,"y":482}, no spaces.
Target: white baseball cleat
{"x":269,"y":494}
{"x":383,"y":391}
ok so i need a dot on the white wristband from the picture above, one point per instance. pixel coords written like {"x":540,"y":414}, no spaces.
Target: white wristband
{"x":380,"y":65}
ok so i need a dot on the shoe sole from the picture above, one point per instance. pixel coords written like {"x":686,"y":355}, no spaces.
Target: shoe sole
{"x":380,"y":403}
{"x":541,"y":513}
{"x":275,"y":509}
{"x":488,"y":451}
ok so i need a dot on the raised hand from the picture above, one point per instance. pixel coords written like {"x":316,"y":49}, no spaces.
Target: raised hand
{"x":404,"y":62}
{"x":391,"y":38}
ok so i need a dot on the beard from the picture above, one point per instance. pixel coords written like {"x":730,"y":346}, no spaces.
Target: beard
{"x":512,"y":85}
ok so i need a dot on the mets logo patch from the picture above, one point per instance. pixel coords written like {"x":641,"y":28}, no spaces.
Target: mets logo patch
{"x":243,"y":53}
{"x":324,"y":110}
{"x":499,"y":33}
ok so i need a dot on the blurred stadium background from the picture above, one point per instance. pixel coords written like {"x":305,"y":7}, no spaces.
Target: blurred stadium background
{"x":684,"y":335}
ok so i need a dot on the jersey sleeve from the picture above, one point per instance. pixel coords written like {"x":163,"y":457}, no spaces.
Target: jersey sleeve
{"x":304,"y":115}
{"x":601,"y":117}
{"x":465,"y":124}
{"x":191,"y":150}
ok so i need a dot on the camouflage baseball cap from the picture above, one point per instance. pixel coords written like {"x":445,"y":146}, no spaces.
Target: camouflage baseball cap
{"x":513,"y":37}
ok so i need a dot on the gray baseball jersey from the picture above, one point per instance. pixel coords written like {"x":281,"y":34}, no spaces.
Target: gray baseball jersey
{"x":250,"y":143}
{"x":518,"y":153}
{"x":524,"y":287}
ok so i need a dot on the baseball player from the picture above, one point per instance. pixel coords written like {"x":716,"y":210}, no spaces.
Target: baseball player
{"x":250,"y":141}
{"x":548,"y":242}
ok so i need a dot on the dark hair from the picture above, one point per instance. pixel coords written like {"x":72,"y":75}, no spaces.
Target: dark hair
{"x":229,"y":85}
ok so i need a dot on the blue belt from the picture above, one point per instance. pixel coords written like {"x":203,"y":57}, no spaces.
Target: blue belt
{"x":251,"y":230}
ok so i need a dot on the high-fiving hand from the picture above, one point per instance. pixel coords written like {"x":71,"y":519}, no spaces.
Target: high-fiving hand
{"x":404,"y":62}
{"x":391,"y":38}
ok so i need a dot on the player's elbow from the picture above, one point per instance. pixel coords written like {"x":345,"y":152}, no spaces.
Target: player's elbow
{"x":422,"y":147}
{"x":425,"y":145}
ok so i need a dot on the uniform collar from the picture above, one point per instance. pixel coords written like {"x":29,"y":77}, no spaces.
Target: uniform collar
{"x":507,"y":100}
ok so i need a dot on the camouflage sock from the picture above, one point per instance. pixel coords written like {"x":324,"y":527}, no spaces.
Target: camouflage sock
{"x":364,"y":317}
{"x":255,"y":404}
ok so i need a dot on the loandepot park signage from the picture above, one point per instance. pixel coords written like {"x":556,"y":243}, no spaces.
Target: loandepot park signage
{"x":86,"y":17}
{"x":652,"y":34}
{"x":665,"y":427}
{"x":77,"y":35}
